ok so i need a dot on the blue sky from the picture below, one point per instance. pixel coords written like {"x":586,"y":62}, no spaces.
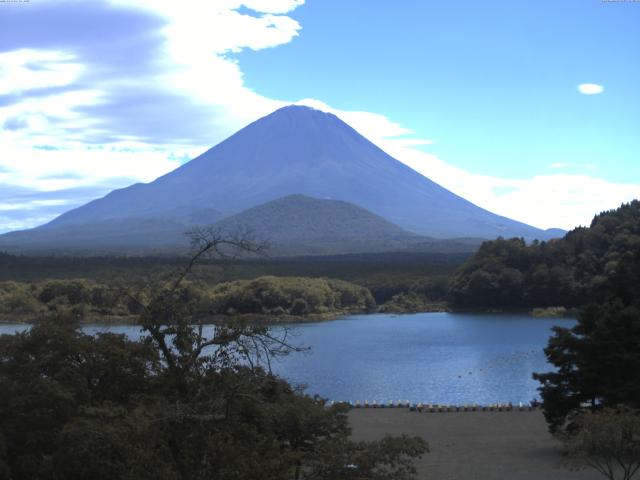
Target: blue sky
{"x":493,"y":83}
{"x":481,"y":97}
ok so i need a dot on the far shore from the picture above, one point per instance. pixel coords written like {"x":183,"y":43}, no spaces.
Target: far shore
{"x":270,"y":319}
{"x":250,"y":318}
{"x":511,"y":445}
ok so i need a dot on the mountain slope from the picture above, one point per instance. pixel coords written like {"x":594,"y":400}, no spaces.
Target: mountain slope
{"x":299,"y":218}
{"x":292,"y":225}
{"x":299,"y":150}
{"x":298,"y":224}
{"x":130,"y":235}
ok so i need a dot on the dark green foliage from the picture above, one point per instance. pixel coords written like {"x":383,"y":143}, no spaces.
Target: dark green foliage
{"x":410,"y":302}
{"x":506,"y":273}
{"x":598,"y":360}
{"x":571,"y":272}
{"x":354,"y":267}
{"x":184,"y":402}
{"x":109,"y":442}
{"x":598,"y":363}
{"x":38,"y":268}
{"x":291,"y":295}
{"x":19,"y":299}
{"x":49,"y":374}
{"x":93,"y":281}
{"x":299,"y":225}
{"x":90,"y":301}
{"x":84,"y":300}
{"x":432,"y":287}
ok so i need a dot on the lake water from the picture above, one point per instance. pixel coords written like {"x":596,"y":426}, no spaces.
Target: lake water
{"x":427,"y":357}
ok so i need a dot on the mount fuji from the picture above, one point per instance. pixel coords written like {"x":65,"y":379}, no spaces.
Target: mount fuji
{"x":295,"y":151}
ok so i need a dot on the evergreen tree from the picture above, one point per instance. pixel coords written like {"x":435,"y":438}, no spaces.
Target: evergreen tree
{"x":598,"y":360}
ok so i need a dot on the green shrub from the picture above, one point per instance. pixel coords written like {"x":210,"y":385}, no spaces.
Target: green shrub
{"x":293,"y":295}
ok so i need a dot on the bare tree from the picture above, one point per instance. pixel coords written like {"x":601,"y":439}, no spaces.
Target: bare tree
{"x":608,"y":441}
{"x":178,"y":328}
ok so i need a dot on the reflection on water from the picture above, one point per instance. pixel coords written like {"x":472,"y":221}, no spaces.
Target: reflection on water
{"x":428,"y":357}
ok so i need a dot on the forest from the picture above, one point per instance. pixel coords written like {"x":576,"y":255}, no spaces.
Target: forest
{"x":597,"y":361}
{"x":90,"y":301}
{"x":92,"y":288}
{"x":503,"y":274}
{"x":571,"y":272}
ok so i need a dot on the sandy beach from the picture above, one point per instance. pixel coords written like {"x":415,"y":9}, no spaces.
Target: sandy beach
{"x":474,"y":445}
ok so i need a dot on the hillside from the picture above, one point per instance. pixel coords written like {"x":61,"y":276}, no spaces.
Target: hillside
{"x":116,"y":235}
{"x":295,"y":150}
{"x":573,"y":271}
{"x":293,"y":225}
{"x":298,"y":224}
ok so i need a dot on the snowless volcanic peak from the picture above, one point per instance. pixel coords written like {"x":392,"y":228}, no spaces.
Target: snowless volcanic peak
{"x":297,"y":150}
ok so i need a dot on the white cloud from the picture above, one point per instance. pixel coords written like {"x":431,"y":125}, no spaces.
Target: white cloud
{"x":545,"y":201}
{"x":27,"y":69}
{"x":76,"y":165}
{"x":590,"y":88}
{"x":48,"y":135}
{"x":199,"y":40}
{"x":272,"y":6}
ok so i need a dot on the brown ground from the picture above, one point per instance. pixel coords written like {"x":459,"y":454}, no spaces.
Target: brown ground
{"x":474,"y":445}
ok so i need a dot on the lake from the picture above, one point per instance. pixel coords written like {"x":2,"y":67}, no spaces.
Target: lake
{"x":427,"y":357}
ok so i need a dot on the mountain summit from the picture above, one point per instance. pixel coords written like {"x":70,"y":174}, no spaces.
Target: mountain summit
{"x":297,"y":150}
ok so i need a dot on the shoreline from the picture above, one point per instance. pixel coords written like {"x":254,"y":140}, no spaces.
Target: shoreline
{"x":283,"y":319}
{"x":254,"y":318}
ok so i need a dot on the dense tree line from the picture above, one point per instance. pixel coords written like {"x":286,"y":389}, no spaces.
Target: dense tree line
{"x":87,"y":300}
{"x":412,"y":296}
{"x":404,"y":266}
{"x":598,"y":360}
{"x":291,"y":295}
{"x":35,"y":268}
{"x":429,"y":288}
{"x":81,"y":299}
{"x":422,"y":276}
{"x":184,"y":402}
{"x":571,"y":271}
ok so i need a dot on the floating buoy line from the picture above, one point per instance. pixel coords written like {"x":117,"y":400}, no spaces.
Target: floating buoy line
{"x":439,"y":408}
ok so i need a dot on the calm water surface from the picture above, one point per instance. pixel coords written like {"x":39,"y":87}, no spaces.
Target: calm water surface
{"x":427,"y":357}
